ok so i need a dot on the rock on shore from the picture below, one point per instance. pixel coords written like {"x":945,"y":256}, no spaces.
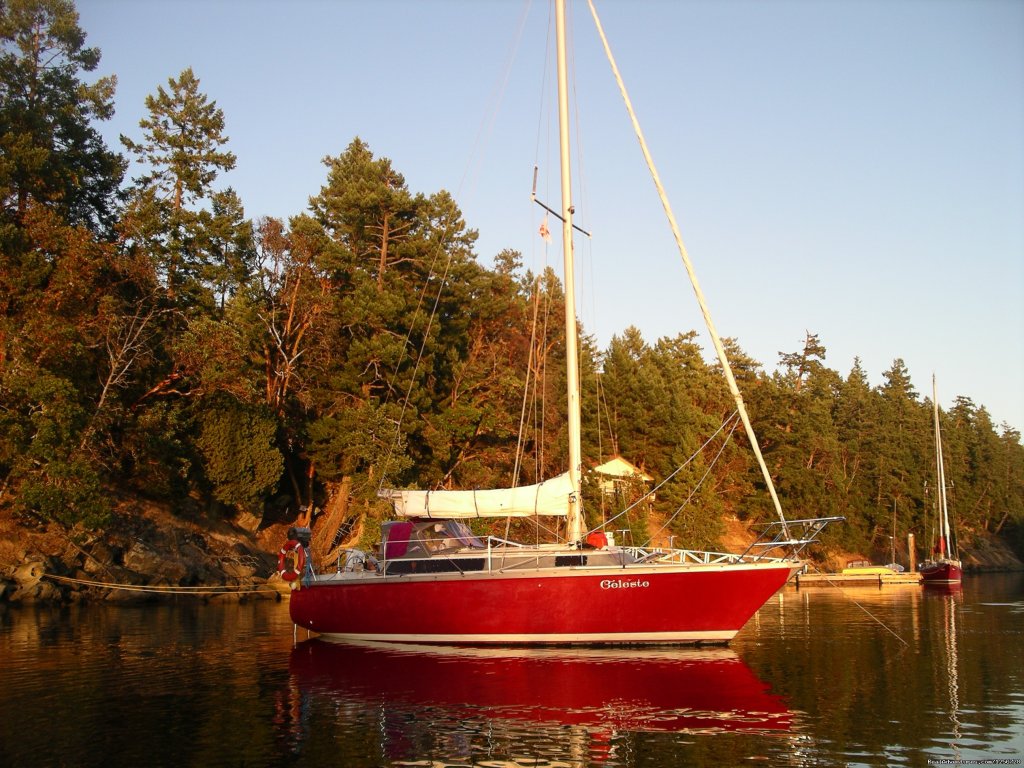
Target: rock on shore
{"x":145,"y":546}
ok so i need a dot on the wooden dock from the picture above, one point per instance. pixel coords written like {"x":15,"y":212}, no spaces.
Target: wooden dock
{"x":855,"y":579}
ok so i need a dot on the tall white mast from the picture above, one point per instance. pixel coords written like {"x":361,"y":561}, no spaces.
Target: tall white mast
{"x":575,"y":532}
{"x":940,"y":478}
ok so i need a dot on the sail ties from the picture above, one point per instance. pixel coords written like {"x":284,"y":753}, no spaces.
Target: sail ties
{"x":551,"y":497}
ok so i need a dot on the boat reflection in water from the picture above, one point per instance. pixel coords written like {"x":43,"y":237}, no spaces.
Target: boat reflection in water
{"x":596,"y":693}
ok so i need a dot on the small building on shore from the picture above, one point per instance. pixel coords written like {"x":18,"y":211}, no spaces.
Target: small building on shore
{"x":617,"y":476}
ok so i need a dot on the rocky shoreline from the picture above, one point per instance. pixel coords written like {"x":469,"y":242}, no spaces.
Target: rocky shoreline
{"x":150,"y":554}
{"x":146,"y":554}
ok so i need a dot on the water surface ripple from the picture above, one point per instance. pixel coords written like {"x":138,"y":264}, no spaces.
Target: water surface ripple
{"x":898,"y":676}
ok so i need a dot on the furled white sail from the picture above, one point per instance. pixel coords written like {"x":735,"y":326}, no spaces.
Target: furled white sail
{"x":550,"y":498}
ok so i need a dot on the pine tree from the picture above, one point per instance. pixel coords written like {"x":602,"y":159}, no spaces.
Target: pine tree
{"x":801,"y":365}
{"x":903,"y":454}
{"x":50,"y":153}
{"x":367,"y":207}
{"x":394,"y":334}
{"x":654,"y":397}
{"x":859,"y":433}
{"x":802,"y":450}
{"x":182,"y":142}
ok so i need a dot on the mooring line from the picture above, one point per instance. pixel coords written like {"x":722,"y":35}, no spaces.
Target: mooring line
{"x":221,"y":589}
{"x":869,"y":613}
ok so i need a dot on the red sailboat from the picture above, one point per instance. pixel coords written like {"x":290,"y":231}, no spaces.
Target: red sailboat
{"x":944,"y":567}
{"x":434,"y":581}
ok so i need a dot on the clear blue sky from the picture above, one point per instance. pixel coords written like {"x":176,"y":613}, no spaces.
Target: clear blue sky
{"x":852,"y":168}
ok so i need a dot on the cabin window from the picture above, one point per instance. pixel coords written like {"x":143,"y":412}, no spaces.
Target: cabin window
{"x":436,"y":565}
{"x":423,"y":538}
{"x":562,"y":561}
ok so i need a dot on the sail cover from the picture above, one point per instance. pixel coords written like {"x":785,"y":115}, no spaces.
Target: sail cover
{"x":550,"y":497}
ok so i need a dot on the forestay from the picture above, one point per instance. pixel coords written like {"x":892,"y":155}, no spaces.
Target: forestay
{"x":549,"y":498}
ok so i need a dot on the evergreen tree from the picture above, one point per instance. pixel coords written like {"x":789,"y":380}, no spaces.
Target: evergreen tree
{"x":802,"y":448}
{"x":230,"y":246}
{"x":55,"y":338}
{"x":859,"y":433}
{"x":903,"y":454}
{"x":472,"y":429}
{"x":203,"y":251}
{"x":1010,"y":496}
{"x":65,"y":355}
{"x":801,"y":365}
{"x":238,"y":444}
{"x":395,"y":330}
{"x":182,"y":142}
{"x":50,"y":153}
{"x":367,"y":207}
{"x":974,"y":464}
{"x":653,"y":395}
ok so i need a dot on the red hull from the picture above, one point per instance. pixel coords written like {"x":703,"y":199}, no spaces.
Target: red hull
{"x":622,"y":689}
{"x":659,"y":604}
{"x":942,"y":572}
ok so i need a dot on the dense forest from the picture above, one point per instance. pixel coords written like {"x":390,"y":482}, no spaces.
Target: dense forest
{"x":156,"y":343}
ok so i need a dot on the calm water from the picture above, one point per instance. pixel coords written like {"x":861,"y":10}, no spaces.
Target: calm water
{"x":821,"y":677}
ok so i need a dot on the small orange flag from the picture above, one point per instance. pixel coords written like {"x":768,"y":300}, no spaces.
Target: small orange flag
{"x":544,"y":231}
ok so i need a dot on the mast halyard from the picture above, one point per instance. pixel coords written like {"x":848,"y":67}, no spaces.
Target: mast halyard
{"x":575,"y":517}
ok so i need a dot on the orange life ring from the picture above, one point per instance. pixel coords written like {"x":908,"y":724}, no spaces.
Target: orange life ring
{"x":291,"y":560}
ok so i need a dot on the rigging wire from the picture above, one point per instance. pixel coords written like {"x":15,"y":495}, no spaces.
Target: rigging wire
{"x":731,"y":420}
{"x":699,"y":483}
{"x":484,"y":131}
{"x":487,"y":122}
{"x":719,"y":347}
{"x":526,"y":389}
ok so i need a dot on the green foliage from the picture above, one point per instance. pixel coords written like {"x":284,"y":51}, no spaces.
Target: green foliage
{"x":204,"y":355}
{"x":664,"y":402}
{"x":357,"y":441}
{"x":198,"y":253}
{"x":182,"y":140}
{"x":155,"y":450}
{"x":68,"y":492}
{"x":41,"y":421}
{"x":241,"y":460}
{"x":50,"y":154}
